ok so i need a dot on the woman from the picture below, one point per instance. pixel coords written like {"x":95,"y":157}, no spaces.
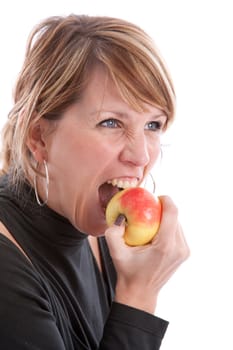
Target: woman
{"x":91,"y":102}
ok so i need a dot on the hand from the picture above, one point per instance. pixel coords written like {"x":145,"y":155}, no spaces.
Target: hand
{"x":143,"y":270}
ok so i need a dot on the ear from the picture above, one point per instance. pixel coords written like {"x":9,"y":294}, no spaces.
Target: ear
{"x":37,"y":140}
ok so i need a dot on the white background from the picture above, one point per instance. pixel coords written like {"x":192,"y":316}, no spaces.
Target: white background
{"x":196,"y":39}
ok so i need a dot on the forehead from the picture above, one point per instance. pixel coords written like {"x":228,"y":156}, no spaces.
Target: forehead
{"x":100,"y":86}
{"x":102,"y":93}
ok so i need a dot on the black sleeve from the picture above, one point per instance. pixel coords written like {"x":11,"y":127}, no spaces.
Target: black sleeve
{"x":26,"y":322}
{"x":131,"y":329}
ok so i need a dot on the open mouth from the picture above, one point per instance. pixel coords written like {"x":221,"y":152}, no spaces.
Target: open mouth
{"x":110,"y":188}
{"x":106,"y":192}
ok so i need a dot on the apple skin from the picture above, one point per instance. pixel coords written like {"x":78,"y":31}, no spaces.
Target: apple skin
{"x":143,"y":213}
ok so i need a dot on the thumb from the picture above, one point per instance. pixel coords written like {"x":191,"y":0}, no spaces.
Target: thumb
{"x":114,"y":235}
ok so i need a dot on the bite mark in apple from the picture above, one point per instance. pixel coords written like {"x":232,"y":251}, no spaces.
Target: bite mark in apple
{"x":142,"y":211}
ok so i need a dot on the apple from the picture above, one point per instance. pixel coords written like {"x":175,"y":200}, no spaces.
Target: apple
{"x":142,"y":211}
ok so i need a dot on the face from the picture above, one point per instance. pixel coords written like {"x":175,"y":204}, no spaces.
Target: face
{"x":100,"y":144}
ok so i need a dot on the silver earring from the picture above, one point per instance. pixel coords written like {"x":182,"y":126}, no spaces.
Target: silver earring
{"x":41,"y":204}
{"x":153,"y":182}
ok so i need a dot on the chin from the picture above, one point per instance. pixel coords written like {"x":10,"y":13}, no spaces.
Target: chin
{"x":97,"y":227}
{"x":100,"y":228}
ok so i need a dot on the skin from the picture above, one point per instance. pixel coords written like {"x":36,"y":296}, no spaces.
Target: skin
{"x":143,"y":271}
{"x":98,"y":139}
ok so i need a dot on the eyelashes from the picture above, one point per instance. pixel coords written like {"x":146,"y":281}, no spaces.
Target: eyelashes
{"x":114,"y":123}
{"x":154,"y":126}
{"x":110,"y":123}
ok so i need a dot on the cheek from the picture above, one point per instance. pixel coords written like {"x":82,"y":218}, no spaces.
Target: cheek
{"x":85,"y":157}
{"x":155,"y":153}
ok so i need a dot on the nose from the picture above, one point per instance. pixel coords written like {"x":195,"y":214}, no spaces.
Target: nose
{"x":136,"y":151}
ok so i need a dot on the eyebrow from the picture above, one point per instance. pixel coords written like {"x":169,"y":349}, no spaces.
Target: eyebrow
{"x":125,"y":115}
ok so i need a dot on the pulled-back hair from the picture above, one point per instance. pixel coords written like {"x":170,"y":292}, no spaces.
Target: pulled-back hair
{"x":60,"y":54}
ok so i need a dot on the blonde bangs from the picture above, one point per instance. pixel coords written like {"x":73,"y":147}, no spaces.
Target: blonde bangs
{"x":139,"y":73}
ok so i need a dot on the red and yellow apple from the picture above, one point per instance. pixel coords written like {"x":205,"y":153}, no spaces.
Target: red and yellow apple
{"x":142,"y":211}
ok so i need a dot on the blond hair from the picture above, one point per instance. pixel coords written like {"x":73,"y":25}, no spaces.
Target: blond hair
{"x":59,"y":55}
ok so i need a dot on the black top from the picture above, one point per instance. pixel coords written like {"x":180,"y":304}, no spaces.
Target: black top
{"x":59,"y":299}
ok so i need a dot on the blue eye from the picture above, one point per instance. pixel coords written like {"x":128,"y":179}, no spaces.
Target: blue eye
{"x":154,"y":126}
{"x":110,"y":123}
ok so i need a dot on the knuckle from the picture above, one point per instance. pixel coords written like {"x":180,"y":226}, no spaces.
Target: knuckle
{"x":183,"y":253}
{"x":169,"y":205}
{"x":173,"y":209}
{"x":187,"y":253}
{"x":165,"y":248}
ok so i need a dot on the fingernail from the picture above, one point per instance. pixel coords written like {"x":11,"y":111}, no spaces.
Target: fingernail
{"x":120,"y":220}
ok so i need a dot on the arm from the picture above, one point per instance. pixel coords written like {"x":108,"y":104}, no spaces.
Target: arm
{"x":142,"y":271}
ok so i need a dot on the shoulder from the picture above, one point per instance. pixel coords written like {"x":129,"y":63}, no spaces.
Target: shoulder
{"x":18,"y":278}
{"x":21,"y":287}
{"x":5,"y":232}
{"x":26,"y":320}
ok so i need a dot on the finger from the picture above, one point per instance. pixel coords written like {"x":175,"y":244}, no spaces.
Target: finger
{"x":169,"y":221}
{"x":114,"y":237}
{"x":114,"y":233}
{"x":182,"y":243}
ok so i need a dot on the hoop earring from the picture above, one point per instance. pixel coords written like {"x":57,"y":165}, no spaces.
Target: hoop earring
{"x":153,"y":182}
{"x":41,"y":204}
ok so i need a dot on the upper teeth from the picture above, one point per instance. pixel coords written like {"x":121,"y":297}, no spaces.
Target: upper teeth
{"x":123,"y":183}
